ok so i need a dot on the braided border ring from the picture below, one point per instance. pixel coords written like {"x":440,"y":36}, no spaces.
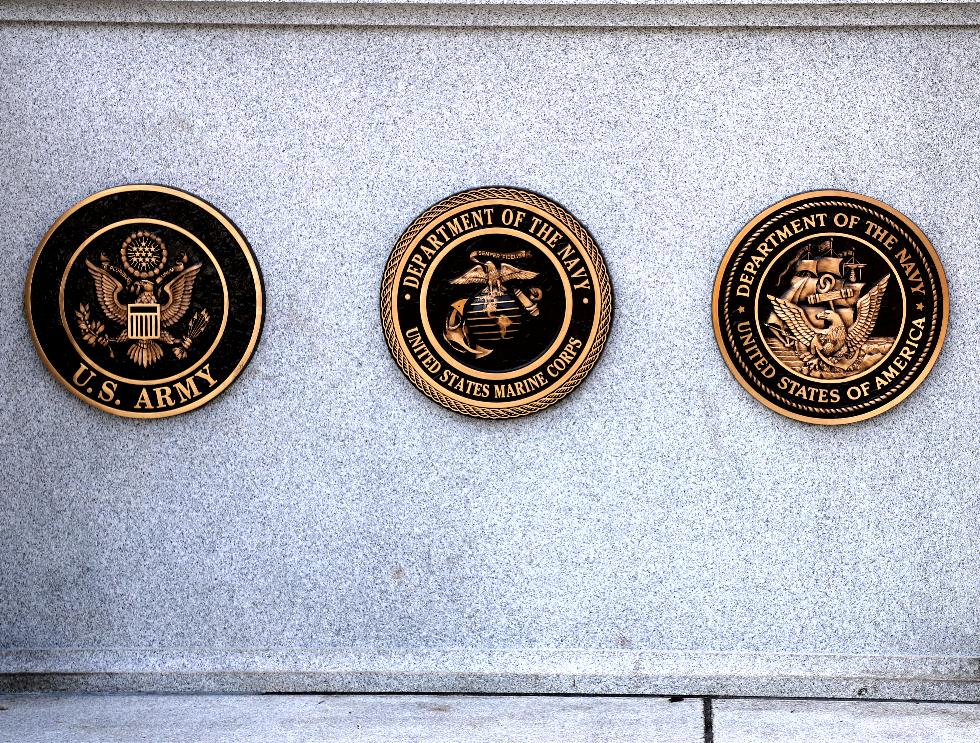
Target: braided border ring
{"x":569,"y":222}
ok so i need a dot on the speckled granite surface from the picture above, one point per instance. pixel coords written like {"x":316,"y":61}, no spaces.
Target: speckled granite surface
{"x":348,"y":719}
{"x":449,"y":718}
{"x":809,"y":721}
{"x":505,"y":13}
{"x":323,"y":505}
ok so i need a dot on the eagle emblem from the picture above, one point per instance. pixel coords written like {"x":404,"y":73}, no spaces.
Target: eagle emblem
{"x":146,"y":301}
{"x":834,"y":347}
{"x":496,"y":312}
{"x":494,"y":278}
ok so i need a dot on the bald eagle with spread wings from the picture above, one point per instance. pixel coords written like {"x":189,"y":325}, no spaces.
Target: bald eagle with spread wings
{"x":488,"y":273}
{"x":835,"y":346}
{"x":494,"y":278}
{"x":178,"y":292}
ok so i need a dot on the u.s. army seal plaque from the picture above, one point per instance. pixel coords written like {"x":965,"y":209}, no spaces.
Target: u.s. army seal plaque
{"x":496,"y":302}
{"x":144,"y":301}
{"x":830,"y":307}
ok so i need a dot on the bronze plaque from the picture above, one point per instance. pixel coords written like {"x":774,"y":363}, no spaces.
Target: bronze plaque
{"x":830,"y":307}
{"x":144,"y":301}
{"x":496,"y":302}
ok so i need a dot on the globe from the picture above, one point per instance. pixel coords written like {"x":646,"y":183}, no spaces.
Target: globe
{"x":492,"y":320}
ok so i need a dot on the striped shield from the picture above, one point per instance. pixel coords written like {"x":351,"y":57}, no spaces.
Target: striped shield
{"x":144,"y":322}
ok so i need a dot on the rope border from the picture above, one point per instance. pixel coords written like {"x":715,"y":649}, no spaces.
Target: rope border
{"x":603,"y":291}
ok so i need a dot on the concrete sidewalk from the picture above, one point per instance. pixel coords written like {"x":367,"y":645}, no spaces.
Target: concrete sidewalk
{"x":394,"y":718}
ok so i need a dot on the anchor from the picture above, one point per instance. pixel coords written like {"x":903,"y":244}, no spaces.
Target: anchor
{"x":457,"y":335}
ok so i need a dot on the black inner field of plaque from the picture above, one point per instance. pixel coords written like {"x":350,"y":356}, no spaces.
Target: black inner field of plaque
{"x":207,"y":296}
{"x":501,"y":332}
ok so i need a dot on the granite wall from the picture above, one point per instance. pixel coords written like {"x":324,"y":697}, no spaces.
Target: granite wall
{"x":323,"y":525}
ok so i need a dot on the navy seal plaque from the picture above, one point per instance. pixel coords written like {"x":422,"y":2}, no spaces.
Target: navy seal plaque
{"x":496,"y":302}
{"x":830,"y":307}
{"x":144,"y":301}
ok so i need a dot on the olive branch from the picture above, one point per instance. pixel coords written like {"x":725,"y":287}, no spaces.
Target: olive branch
{"x":93,"y":331}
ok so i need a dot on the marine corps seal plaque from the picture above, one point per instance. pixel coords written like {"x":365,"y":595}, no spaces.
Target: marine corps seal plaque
{"x":144,"y":301}
{"x":830,"y":307}
{"x":496,"y":302}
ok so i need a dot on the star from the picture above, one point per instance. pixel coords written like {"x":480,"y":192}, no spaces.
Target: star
{"x":920,"y":307}
{"x":741,"y":309}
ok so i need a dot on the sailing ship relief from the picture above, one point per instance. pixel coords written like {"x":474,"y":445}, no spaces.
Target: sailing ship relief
{"x":825,"y":323}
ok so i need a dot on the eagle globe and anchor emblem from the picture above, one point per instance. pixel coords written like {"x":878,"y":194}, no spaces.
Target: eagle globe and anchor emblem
{"x":480,"y":324}
{"x":822,"y":324}
{"x":146,"y":300}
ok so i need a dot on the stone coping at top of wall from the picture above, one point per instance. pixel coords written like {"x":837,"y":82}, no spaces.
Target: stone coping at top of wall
{"x":512,"y":13}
